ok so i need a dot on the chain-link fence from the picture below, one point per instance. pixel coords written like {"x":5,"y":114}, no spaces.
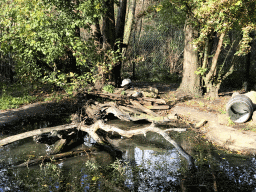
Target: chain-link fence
{"x":157,"y":55}
{"x":154,"y":53}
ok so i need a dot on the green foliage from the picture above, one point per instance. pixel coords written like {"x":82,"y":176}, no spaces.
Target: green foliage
{"x":201,"y":71}
{"x":109,"y":88}
{"x":7,"y":101}
{"x":43,"y":36}
{"x":172,"y":14}
{"x":230,"y":122}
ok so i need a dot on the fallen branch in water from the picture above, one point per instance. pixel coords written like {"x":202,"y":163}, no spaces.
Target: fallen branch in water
{"x":91,"y":130}
{"x":55,"y":157}
{"x":97,"y":111}
{"x":27,"y":134}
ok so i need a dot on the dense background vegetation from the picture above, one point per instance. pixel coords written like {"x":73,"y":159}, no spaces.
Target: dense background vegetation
{"x":72,"y":43}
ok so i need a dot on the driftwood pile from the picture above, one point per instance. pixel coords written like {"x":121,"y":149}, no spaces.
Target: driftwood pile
{"x":91,"y":121}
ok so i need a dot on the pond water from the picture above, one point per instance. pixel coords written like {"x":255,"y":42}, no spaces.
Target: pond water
{"x":147,"y":164}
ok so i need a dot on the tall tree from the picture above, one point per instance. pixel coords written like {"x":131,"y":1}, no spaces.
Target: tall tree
{"x":213,"y":21}
{"x":45,"y":37}
{"x":190,"y":81}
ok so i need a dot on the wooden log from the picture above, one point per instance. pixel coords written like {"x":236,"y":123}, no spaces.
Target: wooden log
{"x":146,"y":110}
{"x":48,"y":158}
{"x":119,"y":97}
{"x":14,"y":138}
{"x":157,"y":101}
{"x":109,"y":128}
{"x":157,"y":107}
{"x":129,"y":109}
{"x":58,"y":146}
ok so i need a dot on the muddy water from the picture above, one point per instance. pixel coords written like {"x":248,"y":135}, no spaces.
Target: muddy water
{"x":147,"y":164}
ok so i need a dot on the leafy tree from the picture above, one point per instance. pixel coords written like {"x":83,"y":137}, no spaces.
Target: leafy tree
{"x":207,"y":32}
{"x":43,"y":37}
{"x":51,"y":39}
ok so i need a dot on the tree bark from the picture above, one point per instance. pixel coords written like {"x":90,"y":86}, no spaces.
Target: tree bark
{"x":120,"y":23}
{"x":211,"y":80}
{"x":191,"y":83}
{"x":108,"y":27}
{"x":130,"y":18}
{"x":116,"y":71}
{"x":96,"y":33}
{"x":211,"y":73}
{"x":108,"y":40}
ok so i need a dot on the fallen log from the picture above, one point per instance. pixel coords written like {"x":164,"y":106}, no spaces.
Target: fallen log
{"x":119,"y":97}
{"x":14,"y":138}
{"x":152,"y":128}
{"x":129,"y":109}
{"x":58,"y":147}
{"x":146,"y":110}
{"x":119,"y":112}
{"x":94,"y":110}
{"x":157,"y":107}
{"x":43,"y":159}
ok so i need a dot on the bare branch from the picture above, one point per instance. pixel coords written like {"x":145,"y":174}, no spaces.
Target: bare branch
{"x":14,"y":138}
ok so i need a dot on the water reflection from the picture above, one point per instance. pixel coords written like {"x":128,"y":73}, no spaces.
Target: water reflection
{"x":243,"y":175}
{"x":148,"y":164}
{"x":158,"y":169}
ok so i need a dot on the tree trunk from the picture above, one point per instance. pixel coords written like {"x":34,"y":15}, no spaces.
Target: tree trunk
{"x":130,"y":18}
{"x":120,"y":23}
{"x":212,"y":81}
{"x":247,"y":80}
{"x":116,"y":71}
{"x":213,"y":90}
{"x":108,"y":43}
{"x":191,"y":83}
{"x":108,"y":27}
{"x":96,"y":33}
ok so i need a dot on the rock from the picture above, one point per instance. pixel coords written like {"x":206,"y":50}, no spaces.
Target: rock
{"x":172,"y":116}
{"x":137,"y":94}
{"x":201,"y":123}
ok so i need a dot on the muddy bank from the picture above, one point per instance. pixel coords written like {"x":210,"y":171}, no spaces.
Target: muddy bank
{"x":230,"y":138}
{"x":35,"y":111}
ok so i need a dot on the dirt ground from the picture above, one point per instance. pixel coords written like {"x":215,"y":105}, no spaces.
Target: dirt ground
{"x":240,"y":138}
